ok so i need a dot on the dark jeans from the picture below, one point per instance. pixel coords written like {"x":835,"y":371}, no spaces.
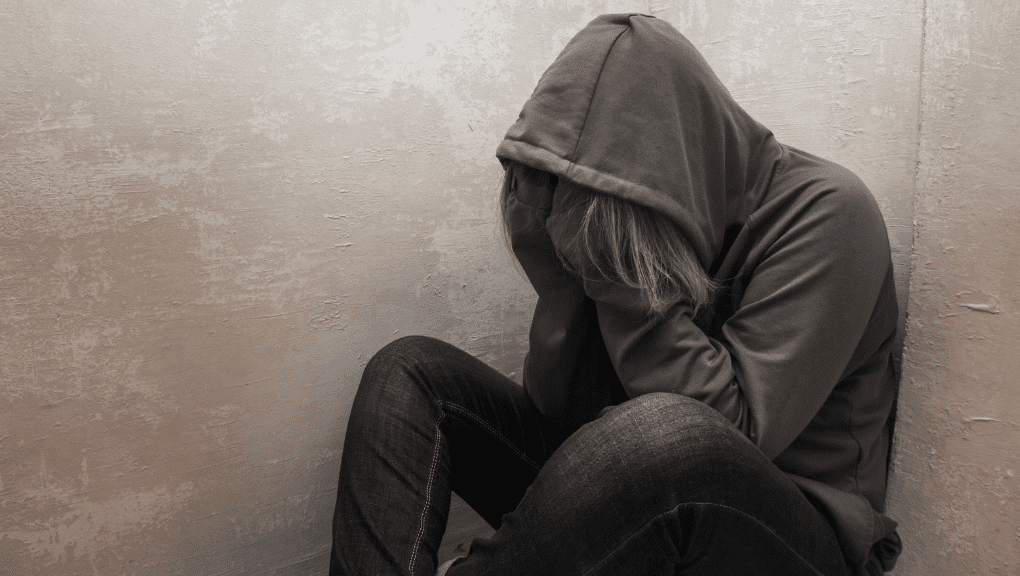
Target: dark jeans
{"x":660,"y":484}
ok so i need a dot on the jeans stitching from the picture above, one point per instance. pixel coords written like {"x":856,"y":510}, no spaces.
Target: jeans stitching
{"x":499,"y":435}
{"x":428,"y":497}
{"x":677,"y":507}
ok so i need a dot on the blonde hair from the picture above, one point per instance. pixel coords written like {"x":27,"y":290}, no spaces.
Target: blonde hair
{"x":628,"y":244}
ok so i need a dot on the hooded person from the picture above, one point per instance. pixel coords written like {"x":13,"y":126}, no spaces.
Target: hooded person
{"x":709,"y":382}
{"x":796,"y":348}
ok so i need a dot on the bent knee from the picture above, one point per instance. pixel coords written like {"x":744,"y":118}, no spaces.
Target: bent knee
{"x":394,"y":374}
{"x":658,"y":427}
{"x":403,"y":350}
{"x":409,"y":354}
{"x":656,"y":410}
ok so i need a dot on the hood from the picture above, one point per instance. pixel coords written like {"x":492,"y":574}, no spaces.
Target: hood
{"x":631,"y":108}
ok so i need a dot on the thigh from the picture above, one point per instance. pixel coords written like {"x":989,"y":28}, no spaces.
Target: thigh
{"x":660,"y":485}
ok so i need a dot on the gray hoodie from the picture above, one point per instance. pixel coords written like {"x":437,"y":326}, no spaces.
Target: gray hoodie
{"x":796,"y":348}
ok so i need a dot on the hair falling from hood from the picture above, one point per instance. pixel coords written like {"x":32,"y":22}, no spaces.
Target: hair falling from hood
{"x":622,"y":242}
{"x":632,"y":178}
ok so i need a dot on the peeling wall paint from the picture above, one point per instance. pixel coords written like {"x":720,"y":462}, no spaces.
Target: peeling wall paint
{"x":954,"y":484}
{"x":213,"y":212}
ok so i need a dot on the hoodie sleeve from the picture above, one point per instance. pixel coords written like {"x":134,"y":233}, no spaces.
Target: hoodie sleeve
{"x":567,"y":371}
{"x":803,"y":312}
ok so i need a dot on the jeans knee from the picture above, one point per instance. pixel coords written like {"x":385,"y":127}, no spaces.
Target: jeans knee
{"x":408,"y":354}
{"x":665,"y":430}
{"x":406,"y":350}
{"x":665,"y":409}
{"x":392,"y":378}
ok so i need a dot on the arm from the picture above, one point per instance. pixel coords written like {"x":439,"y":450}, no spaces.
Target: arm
{"x":567,"y":372}
{"x":803,"y":312}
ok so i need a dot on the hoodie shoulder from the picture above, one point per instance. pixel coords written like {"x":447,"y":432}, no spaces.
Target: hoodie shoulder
{"x":809,"y":178}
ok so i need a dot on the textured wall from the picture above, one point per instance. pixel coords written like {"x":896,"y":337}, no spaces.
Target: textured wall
{"x":955,"y":485}
{"x":213,"y":212}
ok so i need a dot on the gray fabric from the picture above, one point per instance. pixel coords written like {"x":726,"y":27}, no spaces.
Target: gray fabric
{"x":795,"y":350}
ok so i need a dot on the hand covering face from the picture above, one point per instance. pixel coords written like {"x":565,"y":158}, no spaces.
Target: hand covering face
{"x":795,"y":350}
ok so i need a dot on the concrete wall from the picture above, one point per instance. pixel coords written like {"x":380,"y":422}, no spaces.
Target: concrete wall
{"x":955,"y":486}
{"x":213,"y":212}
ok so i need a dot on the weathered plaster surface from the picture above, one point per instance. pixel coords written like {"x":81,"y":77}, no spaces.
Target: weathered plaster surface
{"x":955,"y":486}
{"x":211,"y":214}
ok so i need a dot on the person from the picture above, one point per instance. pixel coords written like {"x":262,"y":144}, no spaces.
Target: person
{"x":709,"y":380}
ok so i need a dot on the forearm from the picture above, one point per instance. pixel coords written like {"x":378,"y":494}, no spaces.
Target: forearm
{"x":667,"y":352}
{"x":567,"y":372}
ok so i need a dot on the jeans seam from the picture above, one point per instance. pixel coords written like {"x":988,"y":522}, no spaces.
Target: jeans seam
{"x":677,"y":507}
{"x":428,"y":497}
{"x":499,"y":435}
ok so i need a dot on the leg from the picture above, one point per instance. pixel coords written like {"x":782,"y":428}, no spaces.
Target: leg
{"x":660,"y":485}
{"x":428,"y":418}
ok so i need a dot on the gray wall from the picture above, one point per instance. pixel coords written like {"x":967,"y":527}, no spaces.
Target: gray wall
{"x":212,"y":213}
{"x":954,"y":486}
